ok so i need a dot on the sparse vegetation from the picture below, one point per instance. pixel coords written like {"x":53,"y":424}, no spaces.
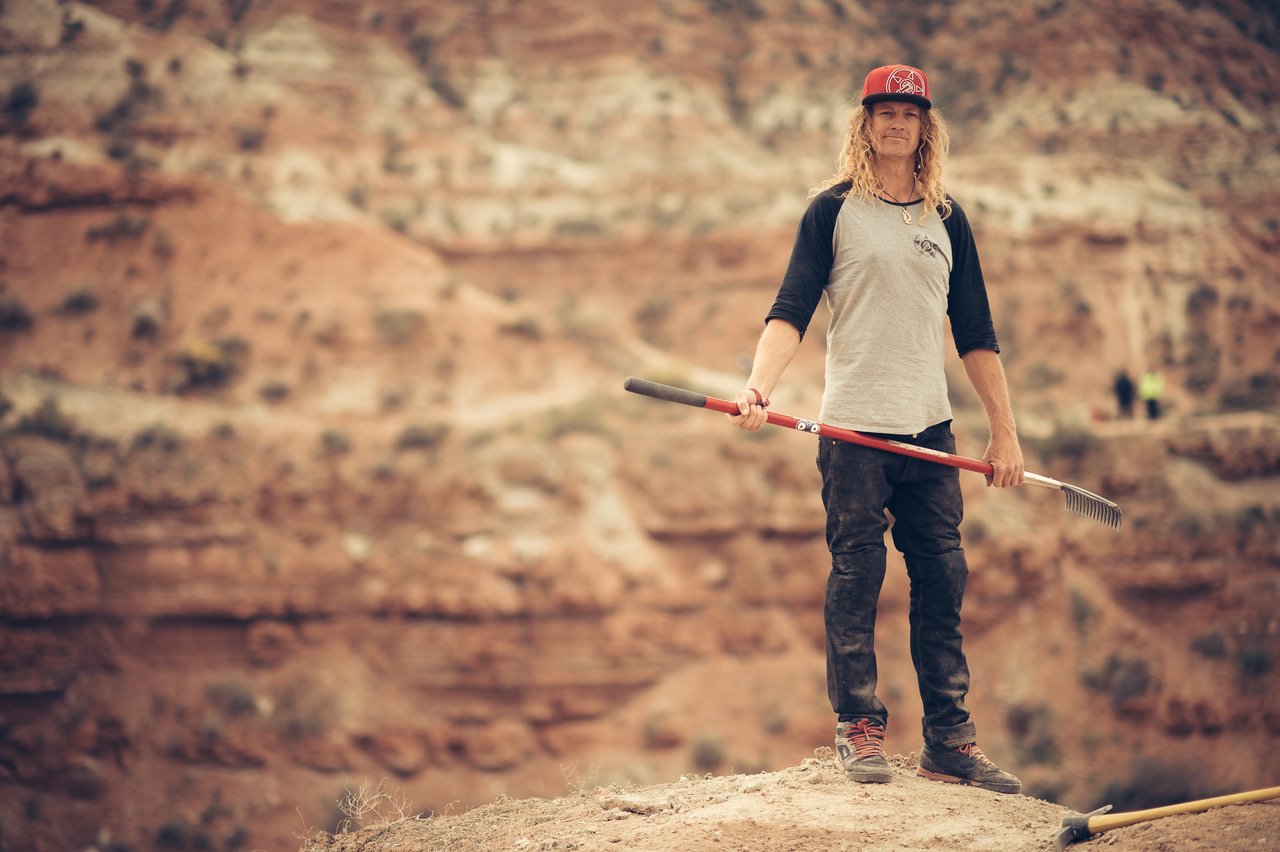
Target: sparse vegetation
{"x":422,"y":437}
{"x":81,"y":300}
{"x":706,"y":754}
{"x":1123,"y":677}
{"x":14,"y":315}
{"x":1256,"y":392}
{"x":232,"y":697}
{"x":373,"y":805}
{"x":1032,"y":727}
{"x":1083,"y":612}
{"x":334,"y":442}
{"x":48,"y":421}
{"x":1254,"y":659}
{"x":146,"y":318}
{"x":122,"y":227}
{"x":274,"y":391}
{"x":526,"y":326}
{"x":398,"y":326}
{"x":156,"y":436}
{"x":21,"y":101}
{"x":587,"y":416}
{"x":207,"y":365}
{"x":1210,"y":645}
{"x":1065,"y":443}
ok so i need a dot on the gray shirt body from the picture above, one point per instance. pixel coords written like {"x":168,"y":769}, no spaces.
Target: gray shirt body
{"x":890,"y":286}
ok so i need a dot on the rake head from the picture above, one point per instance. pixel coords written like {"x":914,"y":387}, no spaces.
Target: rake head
{"x":1091,"y":505}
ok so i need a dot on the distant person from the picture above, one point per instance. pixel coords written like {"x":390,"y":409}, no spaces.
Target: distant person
{"x":1151,"y":389}
{"x":1124,"y":390}
{"x":894,"y":257}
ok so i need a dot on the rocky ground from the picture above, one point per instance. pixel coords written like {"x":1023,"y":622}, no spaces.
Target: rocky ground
{"x":805,"y":808}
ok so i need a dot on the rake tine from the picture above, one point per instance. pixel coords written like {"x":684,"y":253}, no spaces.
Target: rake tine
{"x":1080,"y":501}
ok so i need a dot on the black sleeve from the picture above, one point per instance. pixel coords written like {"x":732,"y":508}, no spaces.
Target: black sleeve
{"x":810,"y":264}
{"x":967,"y":305}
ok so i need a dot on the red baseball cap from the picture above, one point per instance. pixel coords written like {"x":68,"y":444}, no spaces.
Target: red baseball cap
{"x":896,"y":83}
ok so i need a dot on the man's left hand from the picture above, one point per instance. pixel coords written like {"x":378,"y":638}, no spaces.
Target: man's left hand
{"x":1004,"y":453}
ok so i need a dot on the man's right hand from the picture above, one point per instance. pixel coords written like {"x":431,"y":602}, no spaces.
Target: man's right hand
{"x":752,"y":416}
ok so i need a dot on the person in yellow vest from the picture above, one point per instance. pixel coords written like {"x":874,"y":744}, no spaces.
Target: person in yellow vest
{"x":1150,"y":389}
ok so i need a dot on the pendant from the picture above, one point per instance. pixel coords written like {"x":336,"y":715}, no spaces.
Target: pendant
{"x":906,"y":217}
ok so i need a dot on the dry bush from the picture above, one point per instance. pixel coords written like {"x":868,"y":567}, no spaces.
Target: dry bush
{"x":370,"y":805}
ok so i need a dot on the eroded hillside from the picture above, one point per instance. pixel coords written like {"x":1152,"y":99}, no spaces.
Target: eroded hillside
{"x":313,"y":324}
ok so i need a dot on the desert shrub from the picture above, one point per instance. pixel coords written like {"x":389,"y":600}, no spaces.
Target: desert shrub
{"x":706,"y":753}
{"x":526,"y":326}
{"x":176,"y":834}
{"x":397,"y":326}
{"x":369,"y":805}
{"x":14,"y":315}
{"x":422,"y":436}
{"x":21,"y":101}
{"x":1032,"y":727}
{"x":162,"y":246}
{"x":1152,"y":784}
{"x":251,"y":139}
{"x":335,"y":442}
{"x":209,"y":365}
{"x":653,"y":311}
{"x":1210,"y":645}
{"x":1253,"y":660}
{"x":1082,"y":609}
{"x":78,"y":301}
{"x":146,"y":318}
{"x":48,"y":421}
{"x":1258,"y":392}
{"x":232,"y":697}
{"x":156,"y":437}
{"x":123,"y":227}
{"x":1065,"y":443}
{"x":587,"y":416}
{"x":1122,"y":677}
{"x":274,"y":391}
{"x":773,"y":718}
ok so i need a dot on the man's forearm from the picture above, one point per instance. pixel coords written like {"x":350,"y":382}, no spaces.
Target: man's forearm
{"x":986,"y":374}
{"x":778,"y":344}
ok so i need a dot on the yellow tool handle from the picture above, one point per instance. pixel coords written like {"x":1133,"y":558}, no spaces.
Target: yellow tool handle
{"x":1106,"y":822}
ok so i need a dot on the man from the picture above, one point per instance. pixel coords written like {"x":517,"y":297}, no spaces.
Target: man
{"x":1124,"y":390}
{"x":894,"y":256}
{"x":1151,"y":388}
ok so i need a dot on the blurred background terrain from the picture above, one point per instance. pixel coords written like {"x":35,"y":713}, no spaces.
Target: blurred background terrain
{"x":317,"y":468}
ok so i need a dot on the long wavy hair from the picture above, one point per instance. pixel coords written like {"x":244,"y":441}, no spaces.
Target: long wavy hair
{"x":857,"y":160}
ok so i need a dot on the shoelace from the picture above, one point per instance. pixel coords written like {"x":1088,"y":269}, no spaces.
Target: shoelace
{"x":867,"y":738}
{"x":972,"y":750}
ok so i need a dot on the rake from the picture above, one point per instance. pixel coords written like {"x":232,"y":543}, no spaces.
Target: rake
{"x":1078,"y":500}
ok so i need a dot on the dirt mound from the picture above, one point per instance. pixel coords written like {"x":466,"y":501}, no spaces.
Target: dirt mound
{"x":807,"y":807}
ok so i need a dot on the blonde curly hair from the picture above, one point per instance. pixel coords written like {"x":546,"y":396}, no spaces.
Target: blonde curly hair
{"x":857,"y":160}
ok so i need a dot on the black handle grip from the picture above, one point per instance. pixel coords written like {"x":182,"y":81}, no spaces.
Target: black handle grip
{"x":665,"y":392}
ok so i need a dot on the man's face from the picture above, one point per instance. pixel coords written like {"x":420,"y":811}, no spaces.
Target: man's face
{"x":895,"y":127}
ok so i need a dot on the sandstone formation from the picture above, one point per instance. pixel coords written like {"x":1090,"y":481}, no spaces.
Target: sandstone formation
{"x":316,"y":465}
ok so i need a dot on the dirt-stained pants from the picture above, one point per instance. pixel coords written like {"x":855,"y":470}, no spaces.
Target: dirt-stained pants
{"x":858,"y":485}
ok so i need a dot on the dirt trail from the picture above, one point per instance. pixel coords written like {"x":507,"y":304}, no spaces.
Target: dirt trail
{"x":807,"y":807}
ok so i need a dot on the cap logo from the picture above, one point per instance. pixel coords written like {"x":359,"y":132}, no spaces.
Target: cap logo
{"x":905,"y":81}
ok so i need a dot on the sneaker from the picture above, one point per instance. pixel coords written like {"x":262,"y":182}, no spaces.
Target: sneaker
{"x":966,"y":764}
{"x":860,"y":746}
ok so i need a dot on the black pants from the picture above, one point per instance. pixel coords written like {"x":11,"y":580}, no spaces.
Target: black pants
{"x":858,"y":485}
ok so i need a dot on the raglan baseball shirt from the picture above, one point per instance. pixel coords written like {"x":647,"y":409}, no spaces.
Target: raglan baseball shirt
{"x":889,"y":286}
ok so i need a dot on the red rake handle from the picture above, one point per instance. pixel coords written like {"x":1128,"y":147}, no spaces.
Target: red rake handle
{"x":813,"y":427}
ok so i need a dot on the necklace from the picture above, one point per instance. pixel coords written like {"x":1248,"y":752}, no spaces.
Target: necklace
{"x":906,"y":217}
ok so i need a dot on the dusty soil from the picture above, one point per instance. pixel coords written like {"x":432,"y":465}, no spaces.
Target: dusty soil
{"x":807,"y":807}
